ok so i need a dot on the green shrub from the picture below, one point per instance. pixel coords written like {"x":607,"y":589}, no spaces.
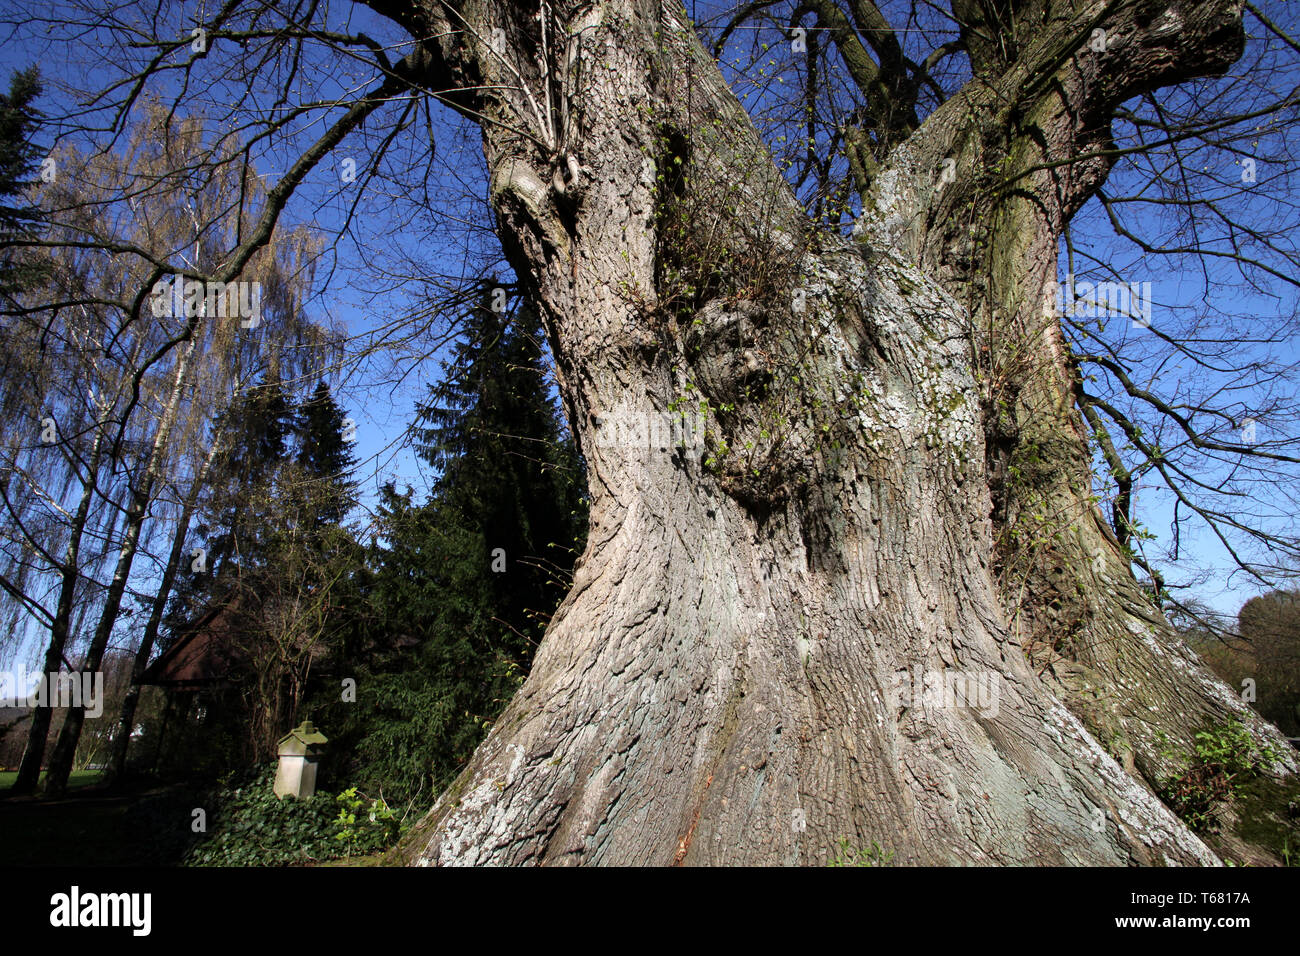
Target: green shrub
{"x":1226,"y":756}
{"x":410,"y":732}
{"x":362,"y":828}
{"x":248,"y":825}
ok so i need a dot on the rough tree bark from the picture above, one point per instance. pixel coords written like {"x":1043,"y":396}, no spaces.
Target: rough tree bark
{"x":722,"y":685}
{"x":991,"y":237}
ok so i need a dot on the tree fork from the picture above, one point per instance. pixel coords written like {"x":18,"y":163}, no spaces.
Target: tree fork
{"x":726,"y":680}
{"x":1066,"y":583}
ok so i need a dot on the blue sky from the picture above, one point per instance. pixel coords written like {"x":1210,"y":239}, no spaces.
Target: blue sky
{"x":397,"y":245}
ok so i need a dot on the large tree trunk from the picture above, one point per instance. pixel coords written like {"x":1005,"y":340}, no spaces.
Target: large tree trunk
{"x":991,"y":238}
{"x":734,"y":676}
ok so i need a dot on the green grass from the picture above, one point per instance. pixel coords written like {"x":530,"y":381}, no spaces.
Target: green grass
{"x":67,"y":832}
{"x":78,"y":778}
{"x":93,"y":827}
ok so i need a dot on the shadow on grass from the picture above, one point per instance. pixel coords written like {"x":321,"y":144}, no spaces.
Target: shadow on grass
{"x":94,"y":825}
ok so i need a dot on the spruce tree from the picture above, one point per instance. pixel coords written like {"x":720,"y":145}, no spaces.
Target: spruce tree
{"x":18,"y":121}
{"x":252,"y":436}
{"x":449,"y":638}
{"x":325,"y":457}
{"x":508,"y":475}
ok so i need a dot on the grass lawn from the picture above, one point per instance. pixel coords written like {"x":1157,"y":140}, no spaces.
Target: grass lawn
{"x":92,"y":827}
{"x":78,"y":778}
{"x":66,"y":834}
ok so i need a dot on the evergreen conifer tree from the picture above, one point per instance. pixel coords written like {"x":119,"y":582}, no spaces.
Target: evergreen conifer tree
{"x":449,"y":637}
{"x":252,"y":436}
{"x":325,"y":457}
{"x":18,"y":121}
{"x":508,"y":476}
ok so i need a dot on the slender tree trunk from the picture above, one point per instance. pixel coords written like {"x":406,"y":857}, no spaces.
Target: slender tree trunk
{"x":29,"y":770}
{"x":126,"y":718}
{"x":751,"y":665}
{"x":65,"y":749}
{"x":70,"y":572}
